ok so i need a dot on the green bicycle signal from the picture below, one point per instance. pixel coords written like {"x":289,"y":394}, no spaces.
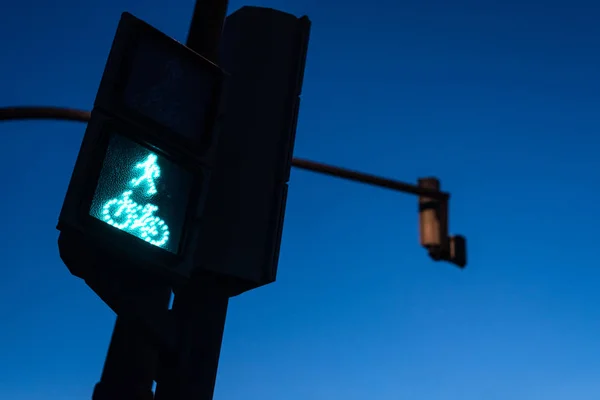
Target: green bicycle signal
{"x":139,"y":220}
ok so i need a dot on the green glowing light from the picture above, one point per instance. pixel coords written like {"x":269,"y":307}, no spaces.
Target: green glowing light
{"x":151,"y":172}
{"x":139,"y":220}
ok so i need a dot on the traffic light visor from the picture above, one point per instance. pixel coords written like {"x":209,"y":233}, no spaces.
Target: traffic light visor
{"x":142,"y":193}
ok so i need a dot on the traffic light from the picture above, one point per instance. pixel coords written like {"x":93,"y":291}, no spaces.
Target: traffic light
{"x":264,"y":51}
{"x":140,"y":178}
{"x":433,"y":226}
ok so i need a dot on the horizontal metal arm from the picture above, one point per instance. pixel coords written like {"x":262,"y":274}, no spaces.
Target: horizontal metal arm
{"x":67,"y":114}
{"x":57,"y":113}
{"x":369,"y":179}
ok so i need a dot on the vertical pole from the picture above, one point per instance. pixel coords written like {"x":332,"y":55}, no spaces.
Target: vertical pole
{"x":132,"y":360}
{"x":206,"y":27}
{"x":200,"y":309}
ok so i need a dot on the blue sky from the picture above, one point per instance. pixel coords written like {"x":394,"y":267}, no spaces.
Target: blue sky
{"x":500,"y":100}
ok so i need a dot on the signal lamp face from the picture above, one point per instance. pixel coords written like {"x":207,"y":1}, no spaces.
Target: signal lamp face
{"x":169,"y":89}
{"x":142,"y":193}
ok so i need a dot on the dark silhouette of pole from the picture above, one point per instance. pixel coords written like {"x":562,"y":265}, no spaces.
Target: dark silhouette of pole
{"x":368,"y":179}
{"x":52,"y":113}
{"x":199,"y":308}
{"x":132,"y":361}
{"x":204,"y":35}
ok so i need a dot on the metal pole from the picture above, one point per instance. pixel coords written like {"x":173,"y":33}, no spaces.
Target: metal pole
{"x":206,"y":27}
{"x":369,"y":179}
{"x":132,"y":360}
{"x":43,"y":112}
{"x":200,"y":309}
{"x":200,"y":312}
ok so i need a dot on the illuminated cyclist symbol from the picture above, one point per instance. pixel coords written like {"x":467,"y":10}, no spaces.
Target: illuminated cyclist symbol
{"x":125,"y":214}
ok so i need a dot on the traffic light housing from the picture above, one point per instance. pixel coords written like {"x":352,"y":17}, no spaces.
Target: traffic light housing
{"x":264,"y":51}
{"x":433,"y":227}
{"x":140,"y":178}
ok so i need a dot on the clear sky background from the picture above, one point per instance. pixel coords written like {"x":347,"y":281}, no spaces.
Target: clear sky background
{"x":499,"y":99}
